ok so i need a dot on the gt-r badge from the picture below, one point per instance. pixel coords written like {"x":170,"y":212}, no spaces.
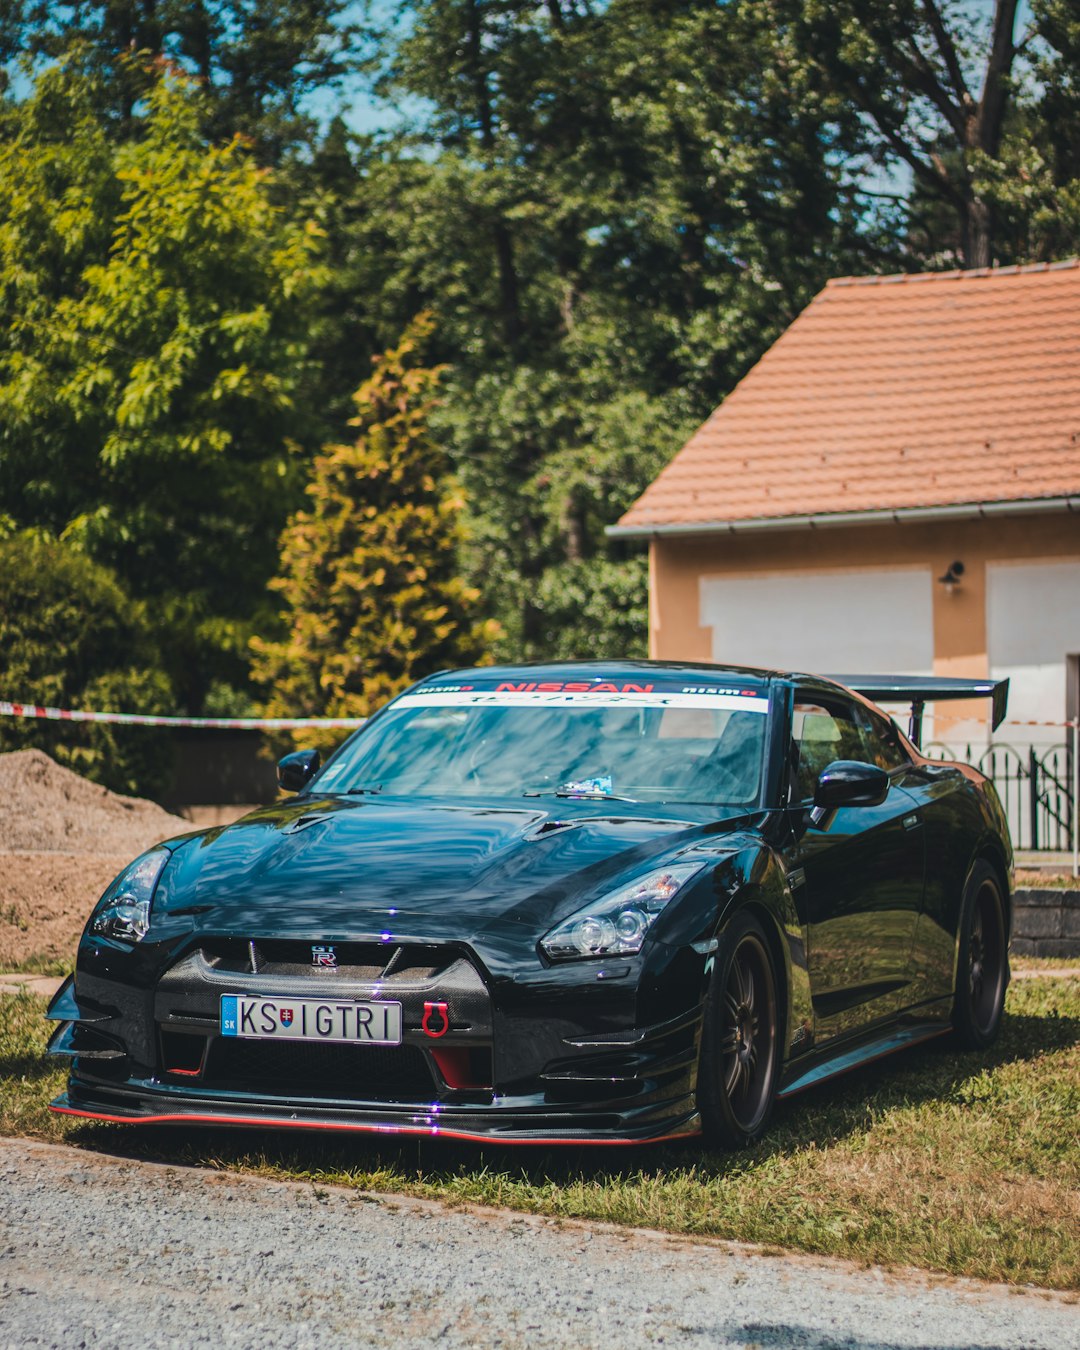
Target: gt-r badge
{"x":436,"y":1021}
{"x":324,"y":958}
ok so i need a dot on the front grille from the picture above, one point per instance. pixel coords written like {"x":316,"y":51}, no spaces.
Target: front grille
{"x":370,"y":961}
{"x":353,"y":1073}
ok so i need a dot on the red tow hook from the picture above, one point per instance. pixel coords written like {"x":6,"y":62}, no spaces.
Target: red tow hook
{"x":436,"y":1021}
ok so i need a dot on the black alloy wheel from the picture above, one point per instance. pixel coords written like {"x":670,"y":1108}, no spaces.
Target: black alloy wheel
{"x":982,"y":968}
{"x":740,"y":1044}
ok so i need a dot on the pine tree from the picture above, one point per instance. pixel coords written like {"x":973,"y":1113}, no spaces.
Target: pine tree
{"x":369,"y":572}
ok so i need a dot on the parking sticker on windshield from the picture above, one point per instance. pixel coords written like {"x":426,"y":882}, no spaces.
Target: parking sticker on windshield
{"x":601,"y":786}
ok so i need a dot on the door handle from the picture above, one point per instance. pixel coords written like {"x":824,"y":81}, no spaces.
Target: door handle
{"x":912,"y":822}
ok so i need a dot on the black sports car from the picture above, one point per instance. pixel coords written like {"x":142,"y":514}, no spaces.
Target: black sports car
{"x":572,"y":902}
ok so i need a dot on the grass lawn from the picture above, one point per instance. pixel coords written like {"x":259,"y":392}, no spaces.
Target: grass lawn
{"x":1037,"y":879}
{"x":1022,"y":966}
{"x":961,"y":1163}
{"x":37,"y":964}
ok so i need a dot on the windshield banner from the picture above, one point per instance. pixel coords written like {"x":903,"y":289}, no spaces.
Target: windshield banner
{"x":508,"y":696}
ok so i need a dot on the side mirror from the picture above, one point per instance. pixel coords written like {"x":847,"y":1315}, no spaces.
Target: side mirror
{"x":295,"y":771}
{"x":845,"y":782}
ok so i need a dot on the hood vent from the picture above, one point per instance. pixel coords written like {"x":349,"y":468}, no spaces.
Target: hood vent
{"x":302,"y":822}
{"x":552,"y":826}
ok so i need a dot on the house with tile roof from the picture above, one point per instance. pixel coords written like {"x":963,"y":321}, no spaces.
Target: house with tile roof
{"x":893,"y":488}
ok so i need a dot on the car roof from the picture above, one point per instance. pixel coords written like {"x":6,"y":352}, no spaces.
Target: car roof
{"x":544,"y":671}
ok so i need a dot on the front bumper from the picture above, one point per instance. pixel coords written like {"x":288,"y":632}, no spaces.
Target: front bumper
{"x":497,"y":1123}
{"x":528,"y":1066}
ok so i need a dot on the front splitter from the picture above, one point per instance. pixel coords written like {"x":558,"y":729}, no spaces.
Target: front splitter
{"x":435,"y":1123}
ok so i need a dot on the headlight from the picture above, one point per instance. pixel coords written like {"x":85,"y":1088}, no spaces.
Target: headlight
{"x":616,"y":924}
{"x":124,"y":910}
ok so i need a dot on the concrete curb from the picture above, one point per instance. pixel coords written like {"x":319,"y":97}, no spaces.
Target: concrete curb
{"x":42,"y":985}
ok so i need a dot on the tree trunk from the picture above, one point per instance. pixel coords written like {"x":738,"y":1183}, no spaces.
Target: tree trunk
{"x":508,"y":285}
{"x":978,"y":234}
{"x":504,"y":245}
{"x":985,"y":128}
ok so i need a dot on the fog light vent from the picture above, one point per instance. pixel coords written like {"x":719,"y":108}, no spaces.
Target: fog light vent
{"x":182,"y":1053}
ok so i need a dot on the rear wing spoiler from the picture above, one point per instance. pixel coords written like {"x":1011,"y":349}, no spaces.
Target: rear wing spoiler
{"x":919,"y":690}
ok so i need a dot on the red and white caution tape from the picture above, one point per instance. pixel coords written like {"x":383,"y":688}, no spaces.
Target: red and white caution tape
{"x":286,"y":723}
{"x":1038,"y":724}
{"x":985,"y":721}
{"x":146,"y":720}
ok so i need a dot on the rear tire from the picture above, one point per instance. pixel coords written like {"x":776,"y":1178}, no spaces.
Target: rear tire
{"x":740,"y":1043}
{"x":982,"y":965}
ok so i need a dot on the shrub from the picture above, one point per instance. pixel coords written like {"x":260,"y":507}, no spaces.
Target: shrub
{"x":370,"y":571}
{"x":70,"y":637}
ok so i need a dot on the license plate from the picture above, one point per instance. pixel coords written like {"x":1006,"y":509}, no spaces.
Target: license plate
{"x":310,"y":1019}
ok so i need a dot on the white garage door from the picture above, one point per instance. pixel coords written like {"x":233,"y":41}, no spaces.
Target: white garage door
{"x":1033,"y":626}
{"x":864,"y":623}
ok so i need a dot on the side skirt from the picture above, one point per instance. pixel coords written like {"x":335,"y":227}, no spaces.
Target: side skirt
{"x":887,"y":1041}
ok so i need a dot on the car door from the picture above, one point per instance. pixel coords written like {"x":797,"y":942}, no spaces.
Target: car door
{"x":863,"y":872}
{"x":951,"y":823}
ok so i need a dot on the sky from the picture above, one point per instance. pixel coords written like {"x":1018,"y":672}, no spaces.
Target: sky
{"x":366,"y":114}
{"x":358,"y":106}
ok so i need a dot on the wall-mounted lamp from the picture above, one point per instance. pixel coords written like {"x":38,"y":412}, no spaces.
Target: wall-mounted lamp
{"x":951,"y":579}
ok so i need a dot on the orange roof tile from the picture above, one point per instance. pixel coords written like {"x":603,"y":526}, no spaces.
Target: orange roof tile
{"x":892,"y":394}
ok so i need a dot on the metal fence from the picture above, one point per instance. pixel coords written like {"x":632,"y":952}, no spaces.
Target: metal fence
{"x":1035,"y":784}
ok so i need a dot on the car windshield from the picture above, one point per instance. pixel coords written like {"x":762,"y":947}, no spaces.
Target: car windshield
{"x":707,"y":750}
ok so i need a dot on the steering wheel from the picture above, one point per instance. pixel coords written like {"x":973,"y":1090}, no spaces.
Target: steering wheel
{"x":719,"y":783}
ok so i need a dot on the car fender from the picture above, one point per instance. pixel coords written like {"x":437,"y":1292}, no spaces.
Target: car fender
{"x":990,"y":842}
{"x":988,"y":848}
{"x":750,"y":875}
{"x":767,"y":893}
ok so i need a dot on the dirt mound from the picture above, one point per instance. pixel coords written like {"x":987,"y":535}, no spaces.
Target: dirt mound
{"x":45,"y":808}
{"x":45,"y":899}
{"x":62,"y":840}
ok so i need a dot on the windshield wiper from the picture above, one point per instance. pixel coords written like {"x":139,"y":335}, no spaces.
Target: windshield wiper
{"x":593,"y":794}
{"x":570,"y":790}
{"x":594,"y":797}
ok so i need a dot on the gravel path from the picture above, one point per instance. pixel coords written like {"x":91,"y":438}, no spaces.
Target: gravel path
{"x":103,"y":1252}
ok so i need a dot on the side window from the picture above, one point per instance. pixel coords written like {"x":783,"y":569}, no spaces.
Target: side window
{"x":883,"y":741}
{"x":824,"y":732}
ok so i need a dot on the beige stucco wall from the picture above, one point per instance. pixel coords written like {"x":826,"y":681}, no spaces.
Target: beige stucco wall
{"x":678,"y":565}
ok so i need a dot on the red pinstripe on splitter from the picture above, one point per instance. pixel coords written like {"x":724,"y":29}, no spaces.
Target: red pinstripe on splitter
{"x":428,"y":1132}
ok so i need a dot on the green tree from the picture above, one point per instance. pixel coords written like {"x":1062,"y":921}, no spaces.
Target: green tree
{"x":153,"y":359}
{"x":1033,"y":186}
{"x":70,"y":637}
{"x":255,"y":64}
{"x":370,"y":571}
{"x":613,"y":211}
{"x":933,"y":91}
{"x":983,"y":118}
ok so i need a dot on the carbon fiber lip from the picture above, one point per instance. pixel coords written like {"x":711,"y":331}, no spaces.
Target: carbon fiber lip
{"x":492,"y":1124}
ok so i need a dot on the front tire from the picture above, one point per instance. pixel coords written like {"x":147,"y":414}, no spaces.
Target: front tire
{"x":740,"y":1042}
{"x":982,"y":966}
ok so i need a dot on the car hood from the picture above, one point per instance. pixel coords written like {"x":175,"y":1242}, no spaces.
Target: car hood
{"x":430,"y":870}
